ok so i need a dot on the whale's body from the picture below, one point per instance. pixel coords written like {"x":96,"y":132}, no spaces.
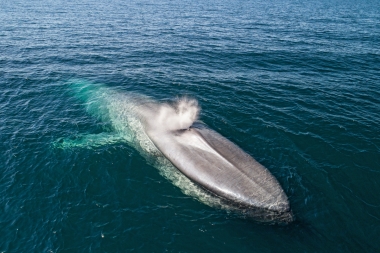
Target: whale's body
{"x":222,"y":168}
{"x":207,"y":166}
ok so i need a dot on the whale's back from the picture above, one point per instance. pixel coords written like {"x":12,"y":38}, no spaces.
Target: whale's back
{"x":222,"y":168}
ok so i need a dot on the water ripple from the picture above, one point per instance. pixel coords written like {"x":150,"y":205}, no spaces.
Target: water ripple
{"x":294,"y":84}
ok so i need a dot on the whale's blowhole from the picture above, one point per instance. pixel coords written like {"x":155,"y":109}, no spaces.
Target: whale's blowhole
{"x":179,"y":115}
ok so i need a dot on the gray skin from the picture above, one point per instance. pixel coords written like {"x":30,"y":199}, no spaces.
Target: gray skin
{"x":222,"y":168}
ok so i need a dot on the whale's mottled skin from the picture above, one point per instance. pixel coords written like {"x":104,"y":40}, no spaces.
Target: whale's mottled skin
{"x":222,"y":168}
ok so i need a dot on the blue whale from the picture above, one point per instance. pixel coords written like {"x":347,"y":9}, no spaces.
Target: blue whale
{"x":207,"y":166}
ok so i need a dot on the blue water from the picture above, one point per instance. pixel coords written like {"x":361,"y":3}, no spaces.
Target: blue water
{"x":294,"y":83}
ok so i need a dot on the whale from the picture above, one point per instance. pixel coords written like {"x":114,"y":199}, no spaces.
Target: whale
{"x":199,"y":160}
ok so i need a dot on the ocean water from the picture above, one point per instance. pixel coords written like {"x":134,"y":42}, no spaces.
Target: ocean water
{"x":294,"y":83}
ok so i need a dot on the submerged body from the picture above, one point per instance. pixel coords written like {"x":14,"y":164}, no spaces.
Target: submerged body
{"x":207,"y":166}
{"x":225,"y":170}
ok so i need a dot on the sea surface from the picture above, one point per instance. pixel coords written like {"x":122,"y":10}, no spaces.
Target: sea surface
{"x":295,"y":84}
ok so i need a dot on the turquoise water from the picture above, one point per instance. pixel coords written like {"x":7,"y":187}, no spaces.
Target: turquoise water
{"x":293,"y":83}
